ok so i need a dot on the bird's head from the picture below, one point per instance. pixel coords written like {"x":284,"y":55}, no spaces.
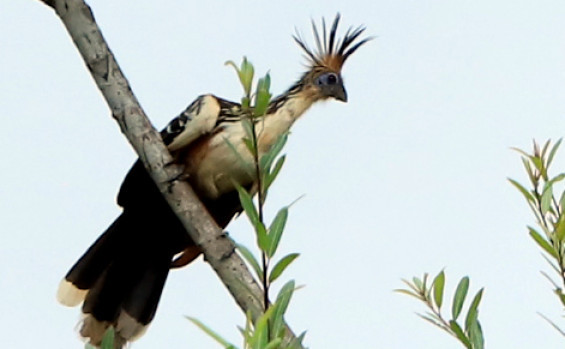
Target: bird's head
{"x":323,"y":78}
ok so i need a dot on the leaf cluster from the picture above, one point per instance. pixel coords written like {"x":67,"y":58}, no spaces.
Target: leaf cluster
{"x":546,"y":203}
{"x":469,"y":333}
{"x":262,"y":95}
{"x":268,"y":331}
{"x":268,"y":239}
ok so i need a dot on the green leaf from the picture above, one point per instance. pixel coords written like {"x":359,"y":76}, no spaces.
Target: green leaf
{"x":476,"y":336}
{"x":281,"y":266}
{"x":274,"y":344}
{"x":269,"y":157}
{"x":432,"y":319}
{"x":246,"y":73}
{"x":248,"y":128}
{"x":418,"y":283}
{"x":411,"y":286}
{"x":459,"y":298}
{"x":560,"y":228}
{"x":553,"y":151}
{"x":438,"y":284}
{"x":560,"y":294}
{"x":562,"y":200}
{"x":261,"y":333}
{"x":264,"y":84}
{"x":523,"y":190}
{"x":556,"y":179}
{"x":473,"y":313}
{"x":245,"y":103}
{"x":232,"y":63}
{"x":425,"y":281}
{"x":249,"y":168}
{"x":543,"y":243}
{"x":553,"y":324}
{"x":246,"y":332}
{"x":529,"y":171}
{"x":276,"y":229}
{"x":269,"y":177}
{"x":260,"y":338}
{"x":520,"y":151}
{"x":538,"y":163}
{"x":263,"y":239}
{"x":108,"y":339}
{"x":211,"y":333}
{"x":546,"y":197}
{"x":249,"y":144}
{"x":459,"y":333}
{"x":553,"y":266}
{"x":280,"y":306}
{"x":544,"y":149}
{"x":247,"y":204}
{"x":262,"y":96}
{"x":408,"y":292}
{"x":246,"y":253}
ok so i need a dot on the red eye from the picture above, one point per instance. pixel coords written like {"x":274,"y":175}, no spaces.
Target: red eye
{"x":332,"y":79}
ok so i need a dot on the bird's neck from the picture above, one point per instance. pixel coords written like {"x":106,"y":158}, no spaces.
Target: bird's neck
{"x":282,"y":113}
{"x":294,"y":102}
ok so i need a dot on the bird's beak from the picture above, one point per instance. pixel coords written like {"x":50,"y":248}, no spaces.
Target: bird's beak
{"x":339,"y":93}
{"x":336,"y":91}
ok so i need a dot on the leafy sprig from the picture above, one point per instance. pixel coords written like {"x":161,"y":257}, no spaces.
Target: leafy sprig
{"x":547,"y":207}
{"x":469,"y":333}
{"x":268,"y":331}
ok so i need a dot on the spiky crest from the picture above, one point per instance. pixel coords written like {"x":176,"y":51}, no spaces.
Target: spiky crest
{"x":331,"y":53}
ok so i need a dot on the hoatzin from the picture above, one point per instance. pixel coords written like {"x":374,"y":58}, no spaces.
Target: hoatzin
{"x":121,"y":276}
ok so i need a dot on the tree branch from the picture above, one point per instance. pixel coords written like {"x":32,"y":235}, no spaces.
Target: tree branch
{"x":217,"y":247}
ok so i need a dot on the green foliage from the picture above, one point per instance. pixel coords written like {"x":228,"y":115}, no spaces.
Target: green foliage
{"x":268,"y":331}
{"x":250,"y":258}
{"x":459,"y":298}
{"x":432,"y":295}
{"x":547,"y":207}
{"x":281,"y":266}
{"x":275,"y":231}
{"x":263,"y":97}
{"x":211,"y":333}
{"x":245,"y":73}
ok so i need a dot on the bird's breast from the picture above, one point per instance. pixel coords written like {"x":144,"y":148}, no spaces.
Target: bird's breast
{"x":217,"y":161}
{"x":214,"y":163}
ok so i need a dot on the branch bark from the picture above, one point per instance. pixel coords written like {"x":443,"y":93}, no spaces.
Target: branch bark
{"x":217,"y":247}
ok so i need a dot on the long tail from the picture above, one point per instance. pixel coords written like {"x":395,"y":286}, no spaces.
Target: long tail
{"x":120,"y":278}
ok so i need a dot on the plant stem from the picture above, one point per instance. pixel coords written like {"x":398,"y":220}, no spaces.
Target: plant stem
{"x":261,"y":200}
{"x":445,"y":325}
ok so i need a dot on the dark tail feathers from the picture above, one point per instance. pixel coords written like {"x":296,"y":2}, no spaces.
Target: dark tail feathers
{"x":120,"y":278}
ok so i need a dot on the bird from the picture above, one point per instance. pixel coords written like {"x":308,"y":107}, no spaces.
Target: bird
{"x":120,"y":278}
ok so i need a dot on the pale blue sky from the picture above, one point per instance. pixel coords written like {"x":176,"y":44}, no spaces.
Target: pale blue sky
{"x":408,"y":177}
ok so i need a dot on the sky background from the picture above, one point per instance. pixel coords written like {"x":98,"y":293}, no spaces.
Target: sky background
{"x":408,"y":177}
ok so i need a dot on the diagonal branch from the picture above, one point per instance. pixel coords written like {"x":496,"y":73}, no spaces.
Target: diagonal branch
{"x":218,"y":248}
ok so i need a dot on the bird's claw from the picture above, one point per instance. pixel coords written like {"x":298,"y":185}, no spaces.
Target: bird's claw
{"x":177,"y":172}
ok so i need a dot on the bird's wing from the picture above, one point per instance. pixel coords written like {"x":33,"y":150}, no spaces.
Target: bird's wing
{"x":202,"y":117}
{"x":199,"y":118}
